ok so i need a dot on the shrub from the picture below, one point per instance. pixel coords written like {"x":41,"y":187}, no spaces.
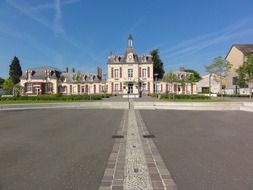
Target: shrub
{"x":234,"y":95}
{"x":184,"y":96}
{"x":54,"y":98}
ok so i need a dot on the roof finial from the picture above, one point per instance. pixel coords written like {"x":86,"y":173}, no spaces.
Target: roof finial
{"x":130,"y":41}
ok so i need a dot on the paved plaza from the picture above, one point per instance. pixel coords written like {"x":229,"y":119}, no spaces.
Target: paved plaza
{"x":205,"y":150}
{"x":73,"y":148}
{"x":55,"y":149}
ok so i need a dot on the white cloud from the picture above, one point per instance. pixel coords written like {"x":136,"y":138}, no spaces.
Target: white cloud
{"x":194,"y":45}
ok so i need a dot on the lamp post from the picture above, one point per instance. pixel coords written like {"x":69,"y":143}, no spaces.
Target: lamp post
{"x":210,"y":76}
{"x":156,"y":74}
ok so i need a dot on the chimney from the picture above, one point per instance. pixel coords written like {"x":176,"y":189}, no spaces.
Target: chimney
{"x":67,"y":69}
{"x":99,"y":73}
{"x":73,"y":70}
{"x":181,"y":68}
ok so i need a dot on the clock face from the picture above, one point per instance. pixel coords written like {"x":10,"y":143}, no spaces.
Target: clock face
{"x":130,"y":56}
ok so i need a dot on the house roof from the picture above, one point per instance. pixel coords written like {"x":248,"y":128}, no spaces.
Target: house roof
{"x":39,"y":72}
{"x":244,"y":48}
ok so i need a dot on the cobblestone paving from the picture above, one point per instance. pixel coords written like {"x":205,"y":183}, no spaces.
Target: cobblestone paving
{"x":135,"y":163}
{"x":136,"y":170}
{"x":159,"y":174}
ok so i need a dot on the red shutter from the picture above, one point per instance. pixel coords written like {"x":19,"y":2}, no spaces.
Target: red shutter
{"x":70,"y":89}
{"x":161,"y":88}
{"x":121,"y":87}
{"x":112,"y":72}
{"x":148,"y":87}
{"x":86,"y":88}
{"x":78,"y":88}
{"x":175,"y":88}
{"x":94,"y":89}
{"x":112,"y":87}
{"x":191,"y":89}
{"x":120,"y":72}
{"x":139,"y":72}
{"x":148,"y":72}
{"x":183,"y":89}
{"x":167,"y":88}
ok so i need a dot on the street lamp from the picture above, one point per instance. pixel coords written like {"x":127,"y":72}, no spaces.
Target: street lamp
{"x":156,"y":75}
{"x":210,"y":78}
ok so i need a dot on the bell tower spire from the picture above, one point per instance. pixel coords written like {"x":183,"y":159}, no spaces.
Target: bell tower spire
{"x":130,"y":41}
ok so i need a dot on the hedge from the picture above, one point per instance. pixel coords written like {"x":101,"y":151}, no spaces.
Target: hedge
{"x":234,"y":95}
{"x":184,"y":96}
{"x":55,"y":97}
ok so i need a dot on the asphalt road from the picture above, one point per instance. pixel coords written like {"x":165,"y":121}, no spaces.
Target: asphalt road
{"x":205,"y":150}
{"x":55,"y":149}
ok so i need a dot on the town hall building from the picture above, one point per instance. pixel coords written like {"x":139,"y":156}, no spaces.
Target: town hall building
{"x":130,"y":73}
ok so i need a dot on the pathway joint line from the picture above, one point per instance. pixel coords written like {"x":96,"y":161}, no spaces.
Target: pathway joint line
{"x":160,"y":176}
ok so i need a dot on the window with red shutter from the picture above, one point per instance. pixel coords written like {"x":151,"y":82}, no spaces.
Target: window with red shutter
{"x":112,"y":72}
{"x":148,"y":72}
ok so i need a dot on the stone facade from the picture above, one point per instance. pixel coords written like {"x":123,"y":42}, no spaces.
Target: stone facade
{"x":203,"y":85}
{"x":177,"y":87}
{"x":49,"y":80}
{"x":130,"y":73}
{"x":236,"y":56}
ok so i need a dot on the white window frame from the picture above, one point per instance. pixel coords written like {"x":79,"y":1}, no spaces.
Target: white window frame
{"x":144,"y":73}
{"x":116,"y":73}
{"x":130,"y":73}
{"x":30,"y":87}
{"x":116,"y":87}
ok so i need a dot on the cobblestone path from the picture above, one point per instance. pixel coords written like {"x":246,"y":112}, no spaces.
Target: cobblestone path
{"x":135,"y":163}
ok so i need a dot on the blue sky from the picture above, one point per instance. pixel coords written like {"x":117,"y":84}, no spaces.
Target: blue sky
{"x":81,"y":33}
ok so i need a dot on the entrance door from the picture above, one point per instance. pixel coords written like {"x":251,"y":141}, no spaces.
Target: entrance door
{"x":130,"y":89}
{"x":37,"y":91}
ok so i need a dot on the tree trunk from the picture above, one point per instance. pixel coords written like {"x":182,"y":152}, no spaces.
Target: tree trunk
{"x":210,"y":85}
{"x":250,"y":89}
{"x":221,"y":89}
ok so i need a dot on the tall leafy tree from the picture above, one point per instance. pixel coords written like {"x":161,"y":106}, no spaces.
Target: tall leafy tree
{"x":15,"y":71}
{"x":1,"y":81}
{"x":245,"y":72}
{"x":158,"y":64}
{"x":170,"y":78}
{"x":192,"y":79}
{"x":219,"y":68}
{"x":8,"y":85}
{"x":196,"y":76}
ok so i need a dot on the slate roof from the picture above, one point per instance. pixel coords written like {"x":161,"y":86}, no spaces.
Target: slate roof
{"x":39,"y":72}
{"x":84,"y":77}
{"x":69,"y":77}
{"x":245,"y":48}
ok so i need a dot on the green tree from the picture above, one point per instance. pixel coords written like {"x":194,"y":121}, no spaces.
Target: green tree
{"x":192,"y":79}
{"x":15,"y":71}
{"x":18,"y":90}
{"x":245,"y":72}
{"x":219,"y":68}
{"x":158,"y":64}
{"x":1,"y":81}
{"x":78,"y":77}
{"x":170,"y":78}
{"x":8,"y":85}
{"x":196,"y":75}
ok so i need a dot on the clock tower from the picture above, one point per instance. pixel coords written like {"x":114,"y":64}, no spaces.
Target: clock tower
{"x":130,"y":50}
